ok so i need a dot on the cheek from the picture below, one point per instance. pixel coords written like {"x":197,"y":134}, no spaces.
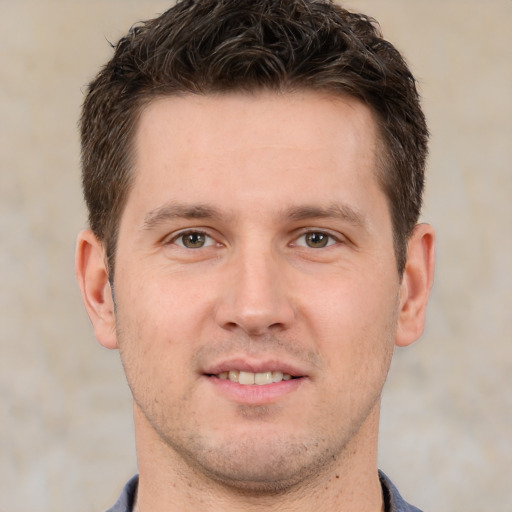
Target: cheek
{"x":153,"y":329}
{"x":160,"y":305}
{"x":355,"y":325}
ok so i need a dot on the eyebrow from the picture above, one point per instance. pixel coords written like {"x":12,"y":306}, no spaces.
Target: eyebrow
{"x":339,"y":211}
{"x":173,"y":211}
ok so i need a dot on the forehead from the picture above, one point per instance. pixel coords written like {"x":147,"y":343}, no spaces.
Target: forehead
{"x":241,"y":146}
{"x":302,"y":108}
{"x":250,"y":133}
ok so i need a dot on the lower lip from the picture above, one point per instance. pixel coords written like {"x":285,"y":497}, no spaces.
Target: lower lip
{"x":253,"y":394}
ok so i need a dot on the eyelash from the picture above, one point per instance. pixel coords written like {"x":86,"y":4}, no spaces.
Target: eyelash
{"x":209,"y":240}
{"x":331,"y":239}
{"x":181,"y":236}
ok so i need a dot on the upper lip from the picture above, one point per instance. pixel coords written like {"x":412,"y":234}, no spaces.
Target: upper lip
{"x":255,"y":366}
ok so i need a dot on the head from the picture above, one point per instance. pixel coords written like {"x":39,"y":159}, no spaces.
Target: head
{"x":207,"y":47}
{"x":253,"y":172}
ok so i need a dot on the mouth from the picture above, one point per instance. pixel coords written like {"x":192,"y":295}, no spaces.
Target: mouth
{"x":251,"y":382}
{"x":259,"y":381}
{"x":246,"y":378}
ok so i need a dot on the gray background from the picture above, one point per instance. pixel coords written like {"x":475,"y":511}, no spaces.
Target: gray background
{"x":66,"y":439}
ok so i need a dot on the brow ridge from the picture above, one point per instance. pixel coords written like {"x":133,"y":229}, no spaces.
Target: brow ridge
{"x":172,"y":211}
{"x":340,"y":211}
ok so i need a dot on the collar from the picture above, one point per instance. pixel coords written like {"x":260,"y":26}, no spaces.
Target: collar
{"x":393,"y":501}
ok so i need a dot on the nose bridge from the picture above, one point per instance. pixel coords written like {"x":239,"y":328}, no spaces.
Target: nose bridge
{"x":256,"y":297}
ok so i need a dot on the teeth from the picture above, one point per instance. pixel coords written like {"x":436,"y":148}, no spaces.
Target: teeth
{"x":263,"y":378}
{"x":277,"y":376}
{"x":248,"y":378}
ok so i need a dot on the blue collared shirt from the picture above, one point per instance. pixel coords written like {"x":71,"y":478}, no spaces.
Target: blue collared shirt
{"x":392,"y":500}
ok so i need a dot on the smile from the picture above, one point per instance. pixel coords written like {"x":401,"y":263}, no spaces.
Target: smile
{"x":249,"y":378}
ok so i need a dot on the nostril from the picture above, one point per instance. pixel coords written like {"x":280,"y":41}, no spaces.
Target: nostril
{"x":230,"y":326}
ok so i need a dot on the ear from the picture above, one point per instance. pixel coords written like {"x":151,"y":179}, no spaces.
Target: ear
{"x":92,"y":275}
{"x":416,"y":284}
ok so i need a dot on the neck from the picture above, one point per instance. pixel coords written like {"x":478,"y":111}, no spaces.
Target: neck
{"x":169,"y":482}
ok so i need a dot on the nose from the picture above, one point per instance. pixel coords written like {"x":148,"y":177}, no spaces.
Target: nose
{"x":255,"y":297}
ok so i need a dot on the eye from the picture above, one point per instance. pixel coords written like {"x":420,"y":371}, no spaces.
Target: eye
{"x":315,"y":240}
{"x":193,"y":240}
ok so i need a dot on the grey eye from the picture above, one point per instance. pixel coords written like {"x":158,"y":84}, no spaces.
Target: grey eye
{"x":315,"y":240}
{"x":194,"y":240}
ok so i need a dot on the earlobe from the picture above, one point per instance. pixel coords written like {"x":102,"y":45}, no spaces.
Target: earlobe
{"x":416,"y":284}
{"x":92,"y":275}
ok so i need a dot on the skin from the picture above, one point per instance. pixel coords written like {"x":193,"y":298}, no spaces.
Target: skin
{"x":289,"y":265}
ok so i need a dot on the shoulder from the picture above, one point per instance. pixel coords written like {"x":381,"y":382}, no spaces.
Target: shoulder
{"x":392,"y":499}
{"x":126,"y":500}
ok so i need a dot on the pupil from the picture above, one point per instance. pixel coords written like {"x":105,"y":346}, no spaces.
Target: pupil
{"x":194,"y":240}
{"x":317,"y":239}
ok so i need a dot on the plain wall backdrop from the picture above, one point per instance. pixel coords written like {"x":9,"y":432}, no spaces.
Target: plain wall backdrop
{"x":66,"y":436}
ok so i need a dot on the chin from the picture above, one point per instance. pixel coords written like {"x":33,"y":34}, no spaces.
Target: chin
{"x":261,"y":466}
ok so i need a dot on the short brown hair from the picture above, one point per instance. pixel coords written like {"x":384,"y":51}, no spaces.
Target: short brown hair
{"x":208,"y":46}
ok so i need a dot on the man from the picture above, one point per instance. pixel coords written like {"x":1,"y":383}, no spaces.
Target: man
{"x":253,"y":172}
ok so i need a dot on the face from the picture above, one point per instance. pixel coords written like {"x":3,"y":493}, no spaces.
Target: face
{"x":256,"y":285}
